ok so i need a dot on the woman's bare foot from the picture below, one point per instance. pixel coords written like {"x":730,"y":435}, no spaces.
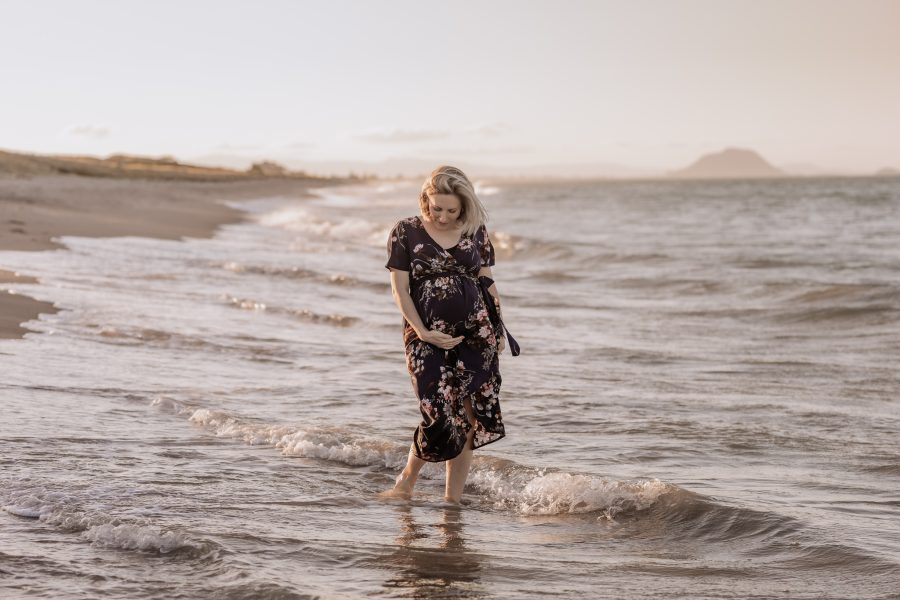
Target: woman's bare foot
{"x":402,"y":489}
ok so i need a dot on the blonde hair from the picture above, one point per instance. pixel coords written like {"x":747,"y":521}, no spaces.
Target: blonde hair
{"x":450,"y":180}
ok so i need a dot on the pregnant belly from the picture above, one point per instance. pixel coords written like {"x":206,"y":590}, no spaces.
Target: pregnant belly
{"x":448,"y":311}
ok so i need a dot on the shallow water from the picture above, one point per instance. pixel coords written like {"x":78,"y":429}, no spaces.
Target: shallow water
{"x":706,"y":404}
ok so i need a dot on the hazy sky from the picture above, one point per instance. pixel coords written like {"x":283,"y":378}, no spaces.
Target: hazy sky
{"x":641,"y":83}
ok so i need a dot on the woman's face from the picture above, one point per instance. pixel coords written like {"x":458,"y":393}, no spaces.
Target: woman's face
{"x":444,"y":210}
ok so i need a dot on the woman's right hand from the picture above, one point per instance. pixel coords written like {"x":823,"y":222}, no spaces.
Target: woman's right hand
{"x":440,"y":339}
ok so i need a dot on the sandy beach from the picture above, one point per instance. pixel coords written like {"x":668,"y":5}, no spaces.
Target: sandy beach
{"x":35,"y":211}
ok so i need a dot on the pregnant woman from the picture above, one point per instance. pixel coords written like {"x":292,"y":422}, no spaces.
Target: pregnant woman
{"x":440,"y":263}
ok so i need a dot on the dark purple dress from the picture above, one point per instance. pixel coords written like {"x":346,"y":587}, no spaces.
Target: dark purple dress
{"x":446,"y":293}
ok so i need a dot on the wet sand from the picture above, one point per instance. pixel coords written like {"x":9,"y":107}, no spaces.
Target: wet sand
{"x":35,"y":211}
{"x":15,"y":308}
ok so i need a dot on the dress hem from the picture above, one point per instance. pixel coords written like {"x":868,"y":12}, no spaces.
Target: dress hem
{"x":416,"y":446}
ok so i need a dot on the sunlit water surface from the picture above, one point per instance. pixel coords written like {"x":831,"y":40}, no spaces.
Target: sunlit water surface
{"x":706,"y":404}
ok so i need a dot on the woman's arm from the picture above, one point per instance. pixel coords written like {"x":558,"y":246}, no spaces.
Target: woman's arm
{"x":486,"y":271}
{"x":400,"y":291}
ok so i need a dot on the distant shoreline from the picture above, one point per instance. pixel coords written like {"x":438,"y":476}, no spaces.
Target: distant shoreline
{"x":35,"y":210}
{"x":732,"y":164}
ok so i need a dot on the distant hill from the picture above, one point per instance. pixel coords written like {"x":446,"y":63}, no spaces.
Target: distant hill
{"x":731,"y":163}
{"x":887,"y":172}
{"x":16,"y":164}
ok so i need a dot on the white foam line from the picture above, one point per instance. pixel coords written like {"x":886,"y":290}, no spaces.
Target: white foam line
{"x":326,"y":443}
{"x":63,"y":511}
{"x":137,"y":537}
{"x":540,"y":493}
{"x":525,"y":490}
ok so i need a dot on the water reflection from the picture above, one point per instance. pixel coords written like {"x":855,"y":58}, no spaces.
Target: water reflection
{"x":431,"y":560}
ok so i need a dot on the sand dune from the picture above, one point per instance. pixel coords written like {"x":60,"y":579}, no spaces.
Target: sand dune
{"x":18,"y":164}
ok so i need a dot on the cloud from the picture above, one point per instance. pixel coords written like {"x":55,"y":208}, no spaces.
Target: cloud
{"x":404,"y":136}
{"x":509,"y":149}
{"x":96,"y":132}
{"x":262,"y":150}
{"x":488,"y":129}
{"x":392,"y":136}
{"x":518,"y":149}
{"x":299,"y":146}
{"x":226,"y":147}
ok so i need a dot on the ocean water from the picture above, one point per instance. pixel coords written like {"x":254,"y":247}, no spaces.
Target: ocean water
{"x":706,"y":404}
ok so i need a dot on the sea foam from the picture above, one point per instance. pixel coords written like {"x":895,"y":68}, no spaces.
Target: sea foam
{"x":525,"y":490}
{"x":69,"y":512}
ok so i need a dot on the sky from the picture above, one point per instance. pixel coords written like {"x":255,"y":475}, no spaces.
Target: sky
{"x":638,"y":83}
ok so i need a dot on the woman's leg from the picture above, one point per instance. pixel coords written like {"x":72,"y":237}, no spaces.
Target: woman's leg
{"x":458,"y":467}
{"x":406,"y":480}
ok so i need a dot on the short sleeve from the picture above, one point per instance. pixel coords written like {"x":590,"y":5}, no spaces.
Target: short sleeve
{"x":397,"y":249}
{"x":486,"y":249}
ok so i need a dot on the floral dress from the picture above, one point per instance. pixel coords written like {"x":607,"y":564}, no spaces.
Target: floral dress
{"x":445,"y":291}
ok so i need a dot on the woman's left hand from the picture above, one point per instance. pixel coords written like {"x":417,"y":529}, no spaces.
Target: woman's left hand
{"x":502,"y":345}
